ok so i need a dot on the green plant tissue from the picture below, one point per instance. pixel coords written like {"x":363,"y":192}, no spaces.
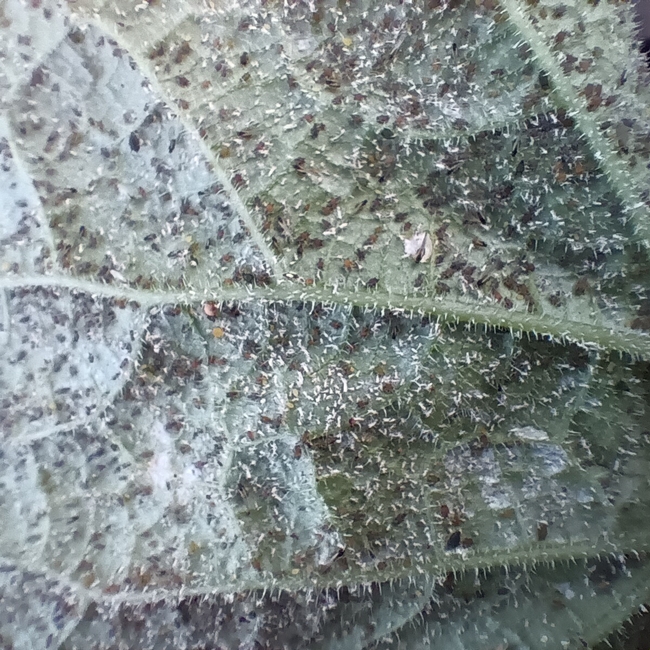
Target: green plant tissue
{"x":323,"y":324}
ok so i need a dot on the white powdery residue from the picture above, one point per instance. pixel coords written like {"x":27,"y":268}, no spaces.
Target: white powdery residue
{"x":548,"y":460}
{"x":460,"y":461}
{"x":419,"y":247}
{"x":565,"y":589}
{"x":529,"y":433}
{"x":496,"y":498}
{"x":160,"y":469}
{"x":185,"y":490}
{"x":164,"y":478}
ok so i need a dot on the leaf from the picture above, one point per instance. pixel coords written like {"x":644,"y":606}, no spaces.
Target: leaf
{"x":322,"y":324}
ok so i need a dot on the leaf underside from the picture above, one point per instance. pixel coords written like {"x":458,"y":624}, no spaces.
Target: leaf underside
{"x":323,"y":324}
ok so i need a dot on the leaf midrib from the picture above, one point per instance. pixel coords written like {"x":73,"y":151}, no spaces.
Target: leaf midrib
{"x":444,"y":309}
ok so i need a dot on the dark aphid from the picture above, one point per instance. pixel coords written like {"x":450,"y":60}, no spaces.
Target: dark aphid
{"x":515,"y":147}
{"x":542,"y":531}
{"x":359,"y":207}
{"x":316,"y":129}
{"x":544,"y":81}
{"x":134,"y":142}
{"x":399,"y":519}
{"x":449,"y":583}
{"x":453,"y":541}
{"x":299,"y":166}
{"x":245,"y":134}
{"x":172,"y":145}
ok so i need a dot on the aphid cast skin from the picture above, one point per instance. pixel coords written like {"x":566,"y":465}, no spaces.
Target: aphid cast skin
{"x":419,"y":247}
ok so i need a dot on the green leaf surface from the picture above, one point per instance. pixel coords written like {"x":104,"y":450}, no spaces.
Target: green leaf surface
{"x":323,"y":324}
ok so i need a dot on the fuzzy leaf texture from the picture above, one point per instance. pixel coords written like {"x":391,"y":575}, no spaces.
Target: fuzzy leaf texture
{"x":324,"y":324}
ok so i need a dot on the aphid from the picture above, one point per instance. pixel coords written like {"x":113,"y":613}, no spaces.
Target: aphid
{"x":211,"y":310}
{"x":399,"y":519}
{"x":245,"y":134}
{"x":299,"y":166}
{"x":331,"y":205}
{"x":134,"y":142}
{"x":316,"y":129}
{"x":515,"y":147}
{"x":581,"y":287}
{"x":239,"y":181}
{"x":542,"y":531}
{"x":183,"y":52}
{"x":453,"y":541}
{"x":544,"y":81}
